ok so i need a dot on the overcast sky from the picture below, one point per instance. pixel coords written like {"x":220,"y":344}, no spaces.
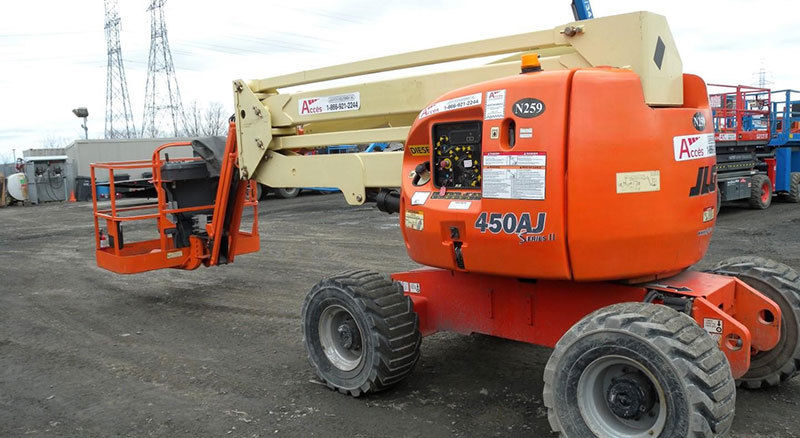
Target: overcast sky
{"x":53,"y":53}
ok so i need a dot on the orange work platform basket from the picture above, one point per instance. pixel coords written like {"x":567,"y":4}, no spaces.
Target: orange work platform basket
{"x":198,"y":213}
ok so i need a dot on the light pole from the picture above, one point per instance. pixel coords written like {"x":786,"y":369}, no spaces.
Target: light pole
{"x":83,"y":113}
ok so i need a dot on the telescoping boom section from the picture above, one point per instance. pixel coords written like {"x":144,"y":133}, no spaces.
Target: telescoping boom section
{"x":273,"y":125}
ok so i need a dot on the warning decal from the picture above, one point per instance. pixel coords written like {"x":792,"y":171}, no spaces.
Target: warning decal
{"x":451,"y":104}
{"x":329,"y":104}
{"x":415,"y":220}
{"x":410,"y":288}
{"x":713,"y":326}
{"x":514,"y":175}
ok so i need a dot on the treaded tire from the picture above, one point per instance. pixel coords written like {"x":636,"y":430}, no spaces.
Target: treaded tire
{"x":781,"y":284}
{"x":793,"y":195}
{"x":757,"y":198}
{"x":698,"y":388}
{"x":287,"y":193}
{"x":389,"y":328}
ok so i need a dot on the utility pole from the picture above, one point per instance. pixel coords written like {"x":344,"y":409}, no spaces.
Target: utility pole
{"x":119,"y":118}
{"x":163,"y":110}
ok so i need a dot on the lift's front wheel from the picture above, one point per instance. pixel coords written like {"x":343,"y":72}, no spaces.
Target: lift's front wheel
{"x":360,"y":332}
{"x":638,"y":370}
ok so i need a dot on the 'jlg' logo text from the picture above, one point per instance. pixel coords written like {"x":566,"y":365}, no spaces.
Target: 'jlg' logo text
{"x":706,"y":181}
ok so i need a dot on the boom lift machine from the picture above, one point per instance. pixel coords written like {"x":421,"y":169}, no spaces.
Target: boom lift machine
{"x":554,"y":202}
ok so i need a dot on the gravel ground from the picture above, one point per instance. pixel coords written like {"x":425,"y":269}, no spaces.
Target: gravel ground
{"x":218,"y":352}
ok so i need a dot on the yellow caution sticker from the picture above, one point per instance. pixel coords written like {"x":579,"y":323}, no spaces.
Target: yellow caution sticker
{"x":708,"y":214}
{"x":415,"y":220}
{"x":638,"y":182}
{"x":420,"y":150}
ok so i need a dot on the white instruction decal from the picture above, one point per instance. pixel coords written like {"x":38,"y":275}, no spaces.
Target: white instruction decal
{"x":459,"y":205}
{"x":692,"y":147}
{"x":419,"y":198}
{"x":714,"y":327}
{"x":514,"y":175}
{"x":329,"y":104}
{"x":451,"y":104}
{"x":525,"y":132}
{"x":495,"y":105}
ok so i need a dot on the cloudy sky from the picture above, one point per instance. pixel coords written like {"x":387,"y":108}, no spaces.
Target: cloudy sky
{"x":53,"y":53}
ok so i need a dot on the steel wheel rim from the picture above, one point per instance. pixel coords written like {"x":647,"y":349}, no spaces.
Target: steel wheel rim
{"x":765,"y":189}
{"x":593,"y":389}
{"x":336,"y":327}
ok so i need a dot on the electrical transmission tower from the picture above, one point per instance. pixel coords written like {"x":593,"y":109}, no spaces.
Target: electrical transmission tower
{"x":763,"y":76}
{"x":119,"y":118}
{"x":163,"y":111}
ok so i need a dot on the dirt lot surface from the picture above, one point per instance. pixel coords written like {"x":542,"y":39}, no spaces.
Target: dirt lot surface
{"x":218,"y":352}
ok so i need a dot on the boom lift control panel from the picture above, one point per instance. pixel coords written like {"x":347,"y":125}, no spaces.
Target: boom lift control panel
{"x":457,"y":155}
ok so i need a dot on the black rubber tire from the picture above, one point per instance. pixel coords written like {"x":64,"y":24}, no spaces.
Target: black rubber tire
{"x":781,"y":284}
{"x":699,"y":389}
{"x":793,"y":195}
{"x":757,"y":199}
{"x":719,"y":203}
{"x":287,"y":193}
{"x":259,"y":192}
{"x":390,"y":331}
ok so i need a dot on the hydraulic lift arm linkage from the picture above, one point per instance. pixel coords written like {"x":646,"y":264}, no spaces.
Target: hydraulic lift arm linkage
{"x":271,"y":126}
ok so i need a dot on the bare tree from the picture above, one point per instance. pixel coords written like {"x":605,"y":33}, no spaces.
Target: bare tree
{"x":193,"y":120}
{"x":51,"y":141}
{"x":215,"y":120}
{"x":205,"y":122}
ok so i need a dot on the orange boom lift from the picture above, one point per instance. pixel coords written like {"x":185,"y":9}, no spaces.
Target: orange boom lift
{"x":552,"y":202}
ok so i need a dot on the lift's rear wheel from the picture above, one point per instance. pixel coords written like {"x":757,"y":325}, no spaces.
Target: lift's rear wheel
{"x":760,"y":192}
{"x":287,"y":193}
{"x":793,"y":195}
{"x":360,"y":332}
{"x":781,"y":284}
{"x":638,"y":370}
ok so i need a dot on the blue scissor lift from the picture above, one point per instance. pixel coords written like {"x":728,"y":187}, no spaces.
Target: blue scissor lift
{"x":783,"y":161}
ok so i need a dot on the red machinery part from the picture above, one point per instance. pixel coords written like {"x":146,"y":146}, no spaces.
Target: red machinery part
{"x":772,"y":170}
{"x":540,"y":312}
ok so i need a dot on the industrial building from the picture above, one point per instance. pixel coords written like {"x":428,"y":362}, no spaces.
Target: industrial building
{"x":82,"y":153}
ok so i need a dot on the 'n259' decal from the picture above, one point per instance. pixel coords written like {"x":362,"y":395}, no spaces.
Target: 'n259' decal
{"x":509,"y":223}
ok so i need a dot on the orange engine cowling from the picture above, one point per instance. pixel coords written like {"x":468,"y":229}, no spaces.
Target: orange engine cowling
{"x":560,"y":175}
